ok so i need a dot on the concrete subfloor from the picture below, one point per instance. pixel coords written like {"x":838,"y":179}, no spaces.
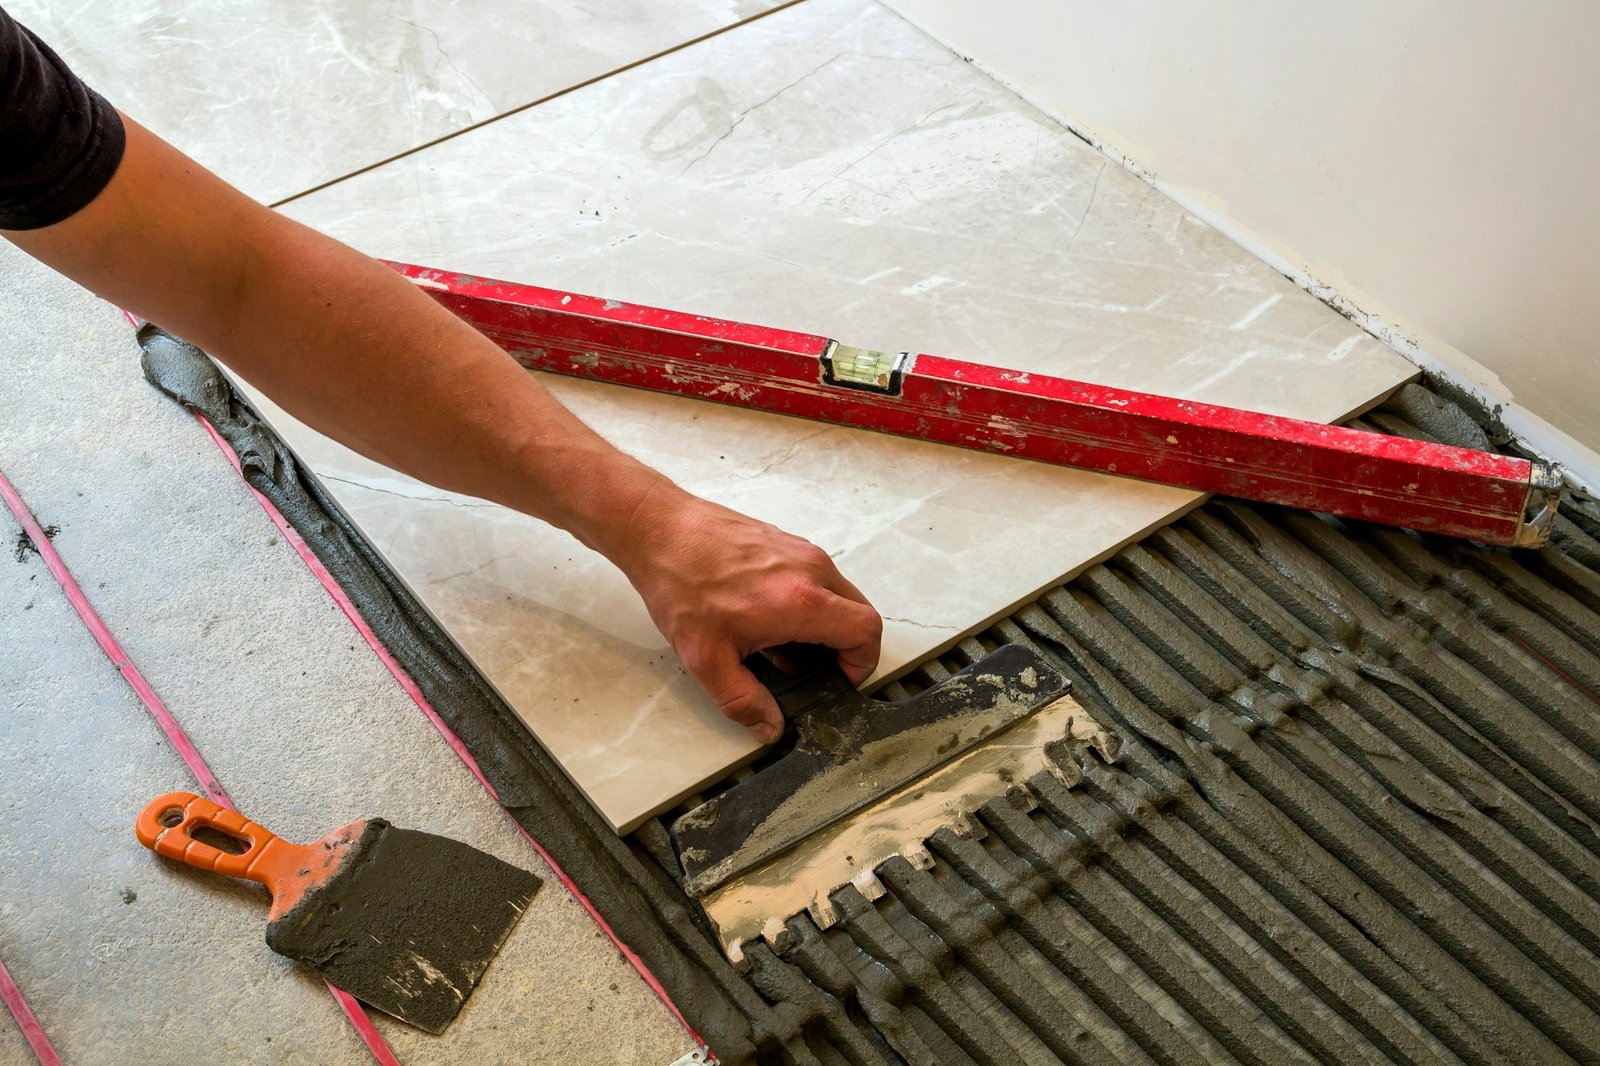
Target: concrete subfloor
{"x":129,"y":958}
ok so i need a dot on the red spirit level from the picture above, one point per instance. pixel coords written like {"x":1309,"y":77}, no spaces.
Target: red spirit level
{"x":1437,"y":488}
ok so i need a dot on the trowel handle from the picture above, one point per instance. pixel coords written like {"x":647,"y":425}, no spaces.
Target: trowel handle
{"x":801,"y":676}
{"x":167,"y":826}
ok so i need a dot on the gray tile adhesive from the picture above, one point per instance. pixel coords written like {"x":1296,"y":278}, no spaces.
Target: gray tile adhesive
{"x":1356,"y":817}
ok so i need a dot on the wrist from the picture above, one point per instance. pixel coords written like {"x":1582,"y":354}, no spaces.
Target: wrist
{"x":637,"y":505}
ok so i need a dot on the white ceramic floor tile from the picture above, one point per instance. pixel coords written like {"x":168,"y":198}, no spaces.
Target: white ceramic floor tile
{"x":827,"y":169}
{"x":279,"y":97}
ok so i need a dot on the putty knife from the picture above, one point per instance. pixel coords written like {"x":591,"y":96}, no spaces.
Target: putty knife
{"x":406,"y":922}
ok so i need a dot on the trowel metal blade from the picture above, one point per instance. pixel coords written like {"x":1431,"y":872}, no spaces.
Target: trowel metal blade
{"x":849,"y":751}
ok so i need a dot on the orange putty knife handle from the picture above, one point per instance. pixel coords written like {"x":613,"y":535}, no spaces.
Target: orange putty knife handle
{"x":167,"y":824}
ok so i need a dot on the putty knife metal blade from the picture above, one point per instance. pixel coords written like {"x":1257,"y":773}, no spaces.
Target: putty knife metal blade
{"x":406,"y":922}
{"x":849,"y":751}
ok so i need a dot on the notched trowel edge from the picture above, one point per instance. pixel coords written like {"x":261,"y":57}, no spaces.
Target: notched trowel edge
{"x":760,"y":902}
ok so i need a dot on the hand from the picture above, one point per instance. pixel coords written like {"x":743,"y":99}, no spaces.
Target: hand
{"x":721,"y":586}
{"x":164,"y":238}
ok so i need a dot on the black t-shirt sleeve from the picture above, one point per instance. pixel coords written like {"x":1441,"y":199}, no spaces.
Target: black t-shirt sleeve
{"x":60,"y":141}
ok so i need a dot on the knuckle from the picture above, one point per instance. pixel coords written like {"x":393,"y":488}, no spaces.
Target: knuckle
{"x":819,"y":560}
{"x":808,"y":595}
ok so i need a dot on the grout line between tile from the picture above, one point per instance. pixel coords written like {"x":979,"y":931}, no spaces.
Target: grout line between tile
{"x":535,"y":103}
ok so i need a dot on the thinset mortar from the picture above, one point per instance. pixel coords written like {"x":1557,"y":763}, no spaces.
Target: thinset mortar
{"x":1355,"y":816}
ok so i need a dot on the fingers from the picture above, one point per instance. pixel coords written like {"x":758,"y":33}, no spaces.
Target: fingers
{"x":739,"y":696}
{"x":858,"y":635}
{"x":859,"y":662}
{"x":721,"y":585}
{"x":835,"y":581}
{"x":850,"y":627}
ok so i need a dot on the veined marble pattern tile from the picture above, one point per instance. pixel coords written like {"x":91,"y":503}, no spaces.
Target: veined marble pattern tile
{"x":279,"y":97}
{"x":830,"y":169}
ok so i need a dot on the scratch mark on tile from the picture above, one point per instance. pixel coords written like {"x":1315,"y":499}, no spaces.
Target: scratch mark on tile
{"x":1087,"y":207}
{"x":1257,"y":311}
{"x":741,"y":116}
{"x":1344,"y":347}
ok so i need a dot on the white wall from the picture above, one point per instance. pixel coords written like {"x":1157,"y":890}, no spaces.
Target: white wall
{"x":1436,"y":162}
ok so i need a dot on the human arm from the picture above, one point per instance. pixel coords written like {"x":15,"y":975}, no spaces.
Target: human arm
{"x":362,"y":355}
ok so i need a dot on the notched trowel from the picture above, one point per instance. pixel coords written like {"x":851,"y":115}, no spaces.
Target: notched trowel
{"x":867,"y":779}
{"x":406,"y":922}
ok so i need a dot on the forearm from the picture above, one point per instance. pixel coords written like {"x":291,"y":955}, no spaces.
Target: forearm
{"x":405,"y":382}
{"x":356,"y":351}
{"x":346,"y":345}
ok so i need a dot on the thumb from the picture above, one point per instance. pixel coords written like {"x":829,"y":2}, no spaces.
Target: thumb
{"x":739,"y":696}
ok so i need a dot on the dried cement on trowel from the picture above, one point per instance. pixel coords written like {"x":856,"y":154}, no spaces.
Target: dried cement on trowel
{"x":756,"y":903}
{"x":850,"y":751}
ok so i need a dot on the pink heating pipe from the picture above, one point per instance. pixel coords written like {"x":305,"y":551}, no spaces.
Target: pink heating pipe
{"x":32,"y":1031}
{"x":169,"y":725}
